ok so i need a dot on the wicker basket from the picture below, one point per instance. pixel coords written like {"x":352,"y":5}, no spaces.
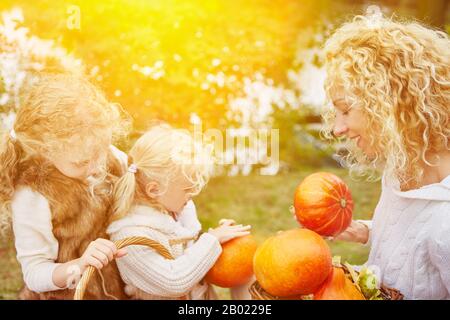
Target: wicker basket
{"x":142,"y":241}
{"x":258,"y":293}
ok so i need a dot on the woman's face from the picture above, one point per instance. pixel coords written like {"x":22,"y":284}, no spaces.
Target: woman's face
{"x":352,"y":123}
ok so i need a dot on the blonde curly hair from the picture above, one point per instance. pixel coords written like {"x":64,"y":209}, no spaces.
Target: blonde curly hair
{"x":62,"y":114}
{"x":397,"y":73}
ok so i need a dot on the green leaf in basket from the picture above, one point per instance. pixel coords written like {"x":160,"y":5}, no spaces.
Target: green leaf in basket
{"x":368,"y":283}
{"x":336,"y":261}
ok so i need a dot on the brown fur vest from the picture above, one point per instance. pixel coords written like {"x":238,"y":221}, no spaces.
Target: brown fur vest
{"x":77,"y":219}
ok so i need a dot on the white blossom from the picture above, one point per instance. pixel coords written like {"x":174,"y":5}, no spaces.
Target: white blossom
{"x":22,"y":56}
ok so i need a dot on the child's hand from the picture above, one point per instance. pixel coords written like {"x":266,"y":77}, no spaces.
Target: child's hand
{"x":99,"y":253}
{"x":227,"y":222}
{"x":227,"y":230}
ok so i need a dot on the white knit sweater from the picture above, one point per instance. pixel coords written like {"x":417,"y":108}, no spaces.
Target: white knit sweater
{"x":149,"y":275}
{"x":410,"y":239}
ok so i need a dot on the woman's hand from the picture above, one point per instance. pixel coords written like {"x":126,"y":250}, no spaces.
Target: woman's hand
{"x":228,"y":230}
{"x":356,"y":232}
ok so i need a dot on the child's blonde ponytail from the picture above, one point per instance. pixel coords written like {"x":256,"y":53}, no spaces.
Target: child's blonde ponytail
{"x":124,"y":193}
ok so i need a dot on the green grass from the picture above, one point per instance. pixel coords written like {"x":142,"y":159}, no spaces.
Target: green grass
{"x":10,"y":275}
{"x":261,"y":201}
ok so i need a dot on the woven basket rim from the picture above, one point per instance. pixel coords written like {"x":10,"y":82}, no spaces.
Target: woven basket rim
{"x":143,"y":241}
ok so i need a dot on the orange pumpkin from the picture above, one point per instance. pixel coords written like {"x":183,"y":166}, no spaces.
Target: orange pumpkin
{"x":292,"y":263}
{"x":338,"y":287}
{"x":323,"y":203}
{"x":235,"y":264}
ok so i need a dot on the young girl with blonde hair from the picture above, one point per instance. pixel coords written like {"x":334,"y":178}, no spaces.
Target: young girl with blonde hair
{"x":57,"y":167}
{"x":389,"y":83}
{"x":153,"y":200}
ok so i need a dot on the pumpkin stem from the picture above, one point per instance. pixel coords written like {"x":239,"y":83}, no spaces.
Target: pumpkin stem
{"x":343,"y":202}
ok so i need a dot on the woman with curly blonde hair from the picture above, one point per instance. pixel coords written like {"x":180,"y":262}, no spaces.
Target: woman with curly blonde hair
{"x":389,"y":83}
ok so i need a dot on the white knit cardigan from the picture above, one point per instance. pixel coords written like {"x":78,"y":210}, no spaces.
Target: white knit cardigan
{"x":410,"y":239}
{"x":149,"y":275}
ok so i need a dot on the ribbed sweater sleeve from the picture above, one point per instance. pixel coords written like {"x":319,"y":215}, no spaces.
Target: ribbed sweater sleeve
{"x":147,"y":270}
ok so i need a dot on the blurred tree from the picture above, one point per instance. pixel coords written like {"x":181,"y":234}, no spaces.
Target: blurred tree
{"x":232,"y":63}
{"x":168,"y":59}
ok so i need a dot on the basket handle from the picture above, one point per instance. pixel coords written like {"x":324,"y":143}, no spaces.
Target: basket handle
{"x":142,"y":241}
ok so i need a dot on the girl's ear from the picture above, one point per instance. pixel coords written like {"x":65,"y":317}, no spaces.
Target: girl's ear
{"x":152,"y":189}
